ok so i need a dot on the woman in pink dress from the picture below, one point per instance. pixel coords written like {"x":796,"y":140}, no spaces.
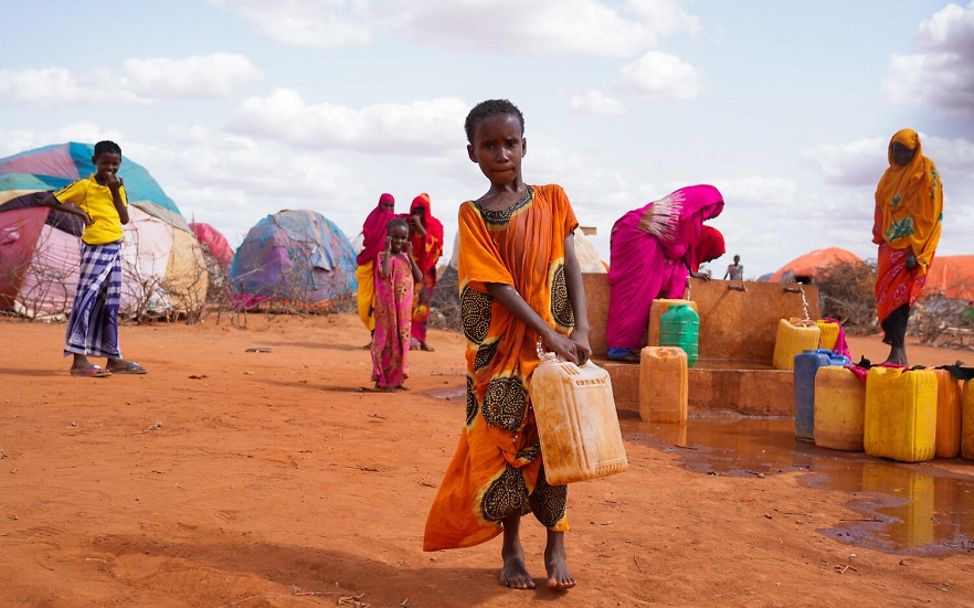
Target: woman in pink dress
{"x":654,"y":250}
{"x":395,"y":273}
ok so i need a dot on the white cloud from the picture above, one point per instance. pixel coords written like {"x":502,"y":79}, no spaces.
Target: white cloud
{"x":215,"y":75}
{"x":140,"y":80}
{"x":54,"y":86}
{"x":855,"y":163}
{"x":661,"y":75}
{"x":953,"y":156}
{"x":862,"y":162}
{"x":19,"y":140}
{"x":765,"y":194}
{"x":559,"y":28}
{"x":226,"y":180}
{"x":317,"y":23}
{"x":942,"y":72}
{"x":597,"y":102}
{"x":951,"y":28}
{"x":422,"y":127}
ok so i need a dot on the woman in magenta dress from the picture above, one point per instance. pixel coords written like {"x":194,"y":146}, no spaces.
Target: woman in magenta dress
{"x":374,"y":235}
{"x":654,"y":250}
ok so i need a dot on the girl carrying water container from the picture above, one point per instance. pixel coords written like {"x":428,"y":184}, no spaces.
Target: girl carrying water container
{"x":520,"y":282}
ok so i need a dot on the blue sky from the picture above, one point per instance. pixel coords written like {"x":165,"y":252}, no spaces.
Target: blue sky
{"x":241,"y":108}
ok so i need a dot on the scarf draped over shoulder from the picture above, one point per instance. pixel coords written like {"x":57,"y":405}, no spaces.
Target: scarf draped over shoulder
{"x":909,"y":203}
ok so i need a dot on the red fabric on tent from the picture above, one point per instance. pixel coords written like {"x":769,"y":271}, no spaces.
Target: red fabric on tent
{"x":19,"y":229}
{"x":214,"y":242}
{"x":951,"y":276}
{"x":813,"y":262}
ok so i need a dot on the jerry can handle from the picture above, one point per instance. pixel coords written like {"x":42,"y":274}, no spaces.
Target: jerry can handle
{"x":543,"y":355}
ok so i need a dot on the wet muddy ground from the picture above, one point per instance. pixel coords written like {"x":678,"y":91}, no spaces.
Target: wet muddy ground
{"x":924,"y":508}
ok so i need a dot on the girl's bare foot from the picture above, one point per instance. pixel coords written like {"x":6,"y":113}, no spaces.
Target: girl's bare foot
{"x":514,"y":574}
{"x":556,"y":563}
{"x":426,"y":347}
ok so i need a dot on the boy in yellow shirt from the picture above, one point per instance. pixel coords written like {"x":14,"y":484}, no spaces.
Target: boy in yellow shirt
{"x":93,"y":326}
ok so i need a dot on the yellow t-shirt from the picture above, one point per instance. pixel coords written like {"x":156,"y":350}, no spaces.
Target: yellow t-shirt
{"x":95,"y":200}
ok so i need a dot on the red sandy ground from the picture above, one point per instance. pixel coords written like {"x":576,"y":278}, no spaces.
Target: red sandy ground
{"x":271,"y":480}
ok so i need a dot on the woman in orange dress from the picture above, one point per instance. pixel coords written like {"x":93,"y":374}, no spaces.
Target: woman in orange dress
{"x":907,"y":224}
{"x":520,"y":283}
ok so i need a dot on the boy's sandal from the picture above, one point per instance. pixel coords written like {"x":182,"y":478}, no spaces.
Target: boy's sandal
{"x":92,"y":371}
{"x":130,"y":368}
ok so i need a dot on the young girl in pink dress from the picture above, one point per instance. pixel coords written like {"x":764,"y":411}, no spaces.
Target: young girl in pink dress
{"x":395,"y":273}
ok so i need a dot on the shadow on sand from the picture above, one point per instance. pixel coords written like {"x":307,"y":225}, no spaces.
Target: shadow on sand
{"x":328,"y":571}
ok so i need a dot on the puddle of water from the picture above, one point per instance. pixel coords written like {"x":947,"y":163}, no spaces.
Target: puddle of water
{"x":906,"y":508}
{"x":448,"y":394}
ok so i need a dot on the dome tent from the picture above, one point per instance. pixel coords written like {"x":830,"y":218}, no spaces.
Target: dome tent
{"x":296,"y":258}
{"x":952,"y":277}
{"x":806,"y":267}
{"x":40,"y":247}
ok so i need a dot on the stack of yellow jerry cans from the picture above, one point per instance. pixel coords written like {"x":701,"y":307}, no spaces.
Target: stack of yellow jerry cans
{"x":905,"y":415}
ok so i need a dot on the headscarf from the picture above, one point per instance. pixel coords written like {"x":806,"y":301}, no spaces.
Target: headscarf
{"x":374,"y":230}
{"x":909,"y":202}
{"x":709,"y":246}
{"x":426,"y":251}
{"x":675,"y":221}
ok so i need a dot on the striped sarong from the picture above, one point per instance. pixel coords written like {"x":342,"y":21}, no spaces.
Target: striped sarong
{"x":93,"y":325}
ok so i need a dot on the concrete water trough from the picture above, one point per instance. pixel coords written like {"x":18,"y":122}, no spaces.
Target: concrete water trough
{"x":738,"y":324}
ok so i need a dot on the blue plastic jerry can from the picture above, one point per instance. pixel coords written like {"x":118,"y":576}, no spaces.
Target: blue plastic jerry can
{"x":806,"y":366}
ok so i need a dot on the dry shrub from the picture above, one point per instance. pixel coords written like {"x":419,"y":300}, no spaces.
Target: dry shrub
{"x":932,"y":315}
{"x":445,"y":305}
{"x":847,"y":293}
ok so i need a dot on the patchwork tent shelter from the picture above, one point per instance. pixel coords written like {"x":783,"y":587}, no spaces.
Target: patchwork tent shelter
{"x":951,"y":276}
{"x":295,"y":258}
{"x":808,"y":266}
{"x":40,"y":247}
